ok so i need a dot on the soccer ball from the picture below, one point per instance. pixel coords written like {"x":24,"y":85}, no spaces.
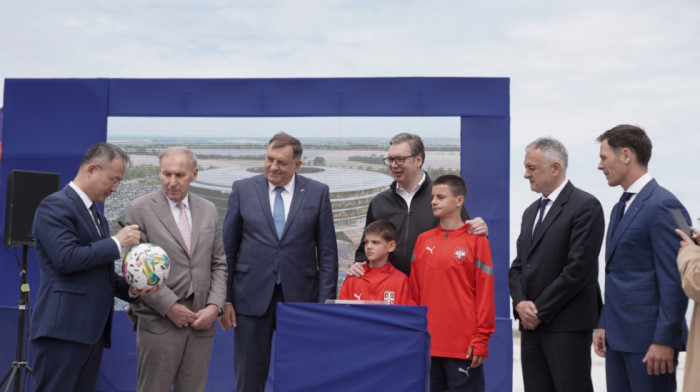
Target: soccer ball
{"x":146,"y":266}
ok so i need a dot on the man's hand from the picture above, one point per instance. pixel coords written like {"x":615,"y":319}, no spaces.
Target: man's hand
{"x":134,"y":291}
{"x":228,"y":318}
{"x":128,"y":235}
{"x":477,"y":360}
{"x":599,"y":342}
{"x":659,"y":359}
{"x":181,"y":316}
{"x":477,"y":226}
{"x":206,"y":317}
{"x":357,"y":269}
{"x":527,"y":311}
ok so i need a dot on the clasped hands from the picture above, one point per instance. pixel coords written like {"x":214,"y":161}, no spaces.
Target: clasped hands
{"x":183,"y":317}
{"x":527,"y":311}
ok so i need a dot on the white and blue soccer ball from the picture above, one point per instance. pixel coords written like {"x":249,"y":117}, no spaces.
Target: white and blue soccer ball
{"x":146,"y":266}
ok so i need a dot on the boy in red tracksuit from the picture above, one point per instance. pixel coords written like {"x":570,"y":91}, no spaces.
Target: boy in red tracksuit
{"x":452,"y":274}
{"x":381,"y":281}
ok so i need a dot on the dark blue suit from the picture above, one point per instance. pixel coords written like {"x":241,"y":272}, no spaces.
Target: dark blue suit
{"x":644,"y":300}
{"x":558,"y":271}
{"x":306,"y":255}
{"x":72,"y":316}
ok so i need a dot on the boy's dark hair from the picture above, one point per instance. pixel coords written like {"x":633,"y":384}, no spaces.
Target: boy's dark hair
{"x":457,"y":185}
{"x":629,"y":136}
{"x":382,"y":228}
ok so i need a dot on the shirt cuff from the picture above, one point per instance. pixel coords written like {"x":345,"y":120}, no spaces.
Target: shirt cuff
{"x":119,"y":246}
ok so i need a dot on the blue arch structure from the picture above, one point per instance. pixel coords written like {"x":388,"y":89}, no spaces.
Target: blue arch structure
{"x":48,"y":124}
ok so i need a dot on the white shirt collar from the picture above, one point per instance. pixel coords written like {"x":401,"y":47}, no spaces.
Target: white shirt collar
{"x":415,"y":188}
{"x":83,"y":196}
{"x":185,"y":202}
{"x":289,"y":187}
{"x":555,"y":193}
{"x":641,"y":182}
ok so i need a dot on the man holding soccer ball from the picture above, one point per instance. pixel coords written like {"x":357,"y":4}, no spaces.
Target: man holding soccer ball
{"x":175,"y":327}
{"x":72,"y":319}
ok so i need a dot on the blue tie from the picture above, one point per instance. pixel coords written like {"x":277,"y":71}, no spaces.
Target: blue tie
{"x":543,"y":204}
{"x":619,"y":210}
{"x":278,"y":212}
{"x":278,"y":216}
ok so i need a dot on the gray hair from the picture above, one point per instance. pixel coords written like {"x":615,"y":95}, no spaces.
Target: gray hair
{"x":415,"y":143}
{"x":552,"y":150}
{"x":283,"y":139}
{"x":181,"y":150}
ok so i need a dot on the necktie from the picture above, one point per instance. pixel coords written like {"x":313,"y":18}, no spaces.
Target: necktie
{"x":278,"y":216}
{"x":278,"y":213}
{"x":184,"y":225}
{"x":619,"y":210}
{"x":543,"y":204}
{"x":96,"y":217}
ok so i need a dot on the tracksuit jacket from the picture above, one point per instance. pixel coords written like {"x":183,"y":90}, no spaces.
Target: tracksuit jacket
{"x":453,"y":276}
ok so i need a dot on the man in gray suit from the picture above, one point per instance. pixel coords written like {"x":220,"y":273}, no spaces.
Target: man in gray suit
{"x":175,"y":327}
{"x":280,"y":246}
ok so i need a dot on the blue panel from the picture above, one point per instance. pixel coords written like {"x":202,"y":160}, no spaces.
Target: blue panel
{"x":351,"y":348}
{"x":48,"y":124}
{"x":310,"y":97}
{"x":485,"y":162}
{"x":498,"y":368}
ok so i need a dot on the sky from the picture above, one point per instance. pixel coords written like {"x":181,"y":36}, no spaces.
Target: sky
{"x":576,"y":68}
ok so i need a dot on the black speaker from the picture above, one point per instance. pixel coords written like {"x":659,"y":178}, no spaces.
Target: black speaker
{"x":25,"y":190}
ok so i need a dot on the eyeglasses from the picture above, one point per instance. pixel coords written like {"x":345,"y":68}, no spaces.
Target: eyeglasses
{"x":115,"y":181}
{"x":398,"y":160}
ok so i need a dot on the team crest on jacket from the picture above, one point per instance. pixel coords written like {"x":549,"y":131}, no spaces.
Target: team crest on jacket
{"x":389,"y":297}
{"x":460,"y":254}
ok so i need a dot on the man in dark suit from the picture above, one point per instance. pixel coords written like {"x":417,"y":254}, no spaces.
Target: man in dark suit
{"x":72,"y":318}
{"x":642,"y":325}
{"x":280,"y":246}
{"x":176,"y":325}
{"x":554,"y":277}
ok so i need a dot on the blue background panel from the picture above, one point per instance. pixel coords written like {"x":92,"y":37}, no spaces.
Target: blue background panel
{"x":48,"y":124}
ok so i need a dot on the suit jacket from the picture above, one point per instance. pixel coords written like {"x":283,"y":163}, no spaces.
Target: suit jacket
{"x":205,"y":265}
{"x":558,"y":268}
{"x":306,"y":254}
{"x":78,"y":282}
{"x":644,"y":300}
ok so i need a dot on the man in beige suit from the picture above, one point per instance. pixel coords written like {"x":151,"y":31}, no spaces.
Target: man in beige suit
{"x":175,"y":327}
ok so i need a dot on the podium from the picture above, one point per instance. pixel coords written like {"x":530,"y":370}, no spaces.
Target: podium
{"x":354,"y":348}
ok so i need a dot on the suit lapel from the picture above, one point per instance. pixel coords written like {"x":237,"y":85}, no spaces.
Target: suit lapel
{"x":612,"y":239}
{"x":165,"y":215}
{"x":263,"y":191}
{"x":553,"y":213}
{"x":105,"y":224}
{"x":84,"y":212}
{"x":528,"y":223}
{"x":196,"y":221}
{"x":297,"y":201}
